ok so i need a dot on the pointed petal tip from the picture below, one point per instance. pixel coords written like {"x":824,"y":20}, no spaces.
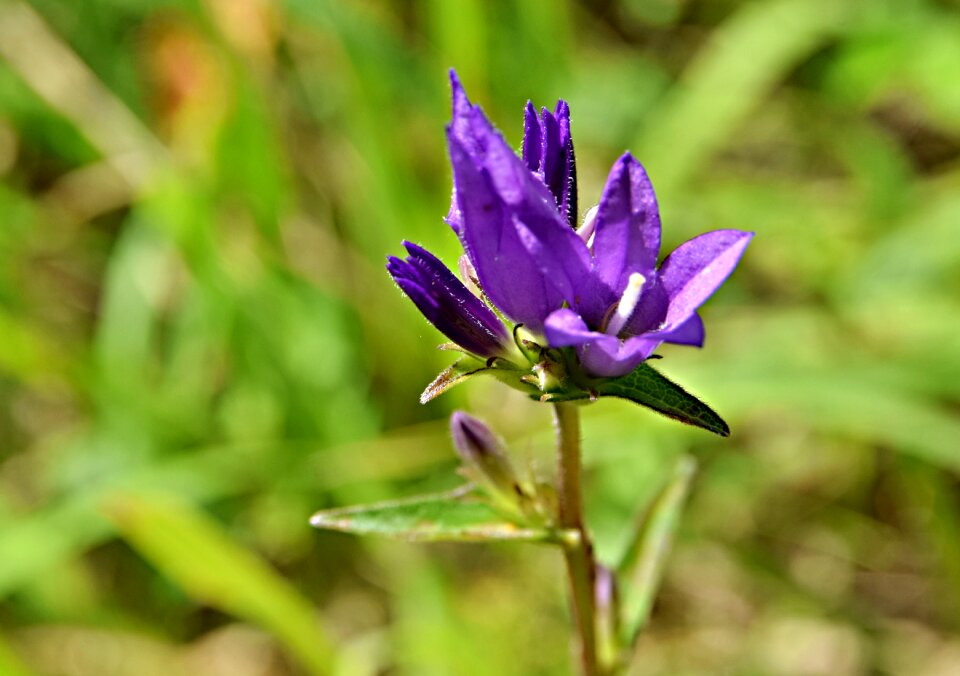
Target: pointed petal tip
{"x":455,"y":83}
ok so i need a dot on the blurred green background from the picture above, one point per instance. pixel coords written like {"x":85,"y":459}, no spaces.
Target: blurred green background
{"x":199,"y":345}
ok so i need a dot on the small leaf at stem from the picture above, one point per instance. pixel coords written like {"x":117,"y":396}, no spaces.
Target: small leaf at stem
{"x":641,"y":569}
{"x":462,"y":515}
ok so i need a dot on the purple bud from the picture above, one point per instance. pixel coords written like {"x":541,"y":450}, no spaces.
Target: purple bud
{"x":484,"y":457}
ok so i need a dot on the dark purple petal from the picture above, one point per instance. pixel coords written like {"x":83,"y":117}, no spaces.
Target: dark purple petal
{"x":627,"y":238}
{"x":548,"y":152}
{"x":551,"y":155}
{"x":566,"y":181}
{"x":509,"y":276}
{"x":697,"y":268}
{"x":557,"y":163}
{"x":531,"y":137}
{"x":447,"y":304}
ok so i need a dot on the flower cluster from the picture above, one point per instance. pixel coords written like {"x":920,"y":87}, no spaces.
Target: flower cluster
{"x":595,"y":288}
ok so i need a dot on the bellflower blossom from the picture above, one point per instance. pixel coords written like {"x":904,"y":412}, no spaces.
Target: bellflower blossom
{"x":596,"y":289}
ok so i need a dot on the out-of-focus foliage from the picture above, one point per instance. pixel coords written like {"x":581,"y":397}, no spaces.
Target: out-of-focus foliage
{"x":199,"y":345}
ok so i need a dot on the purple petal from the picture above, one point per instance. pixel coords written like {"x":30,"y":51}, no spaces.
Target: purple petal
{"x":554,"y":248}
{"x":531,"y":137}
{"x":551,"y":164}
{"x":651,"y":308}
{"x":566,"y":181}
{"x":460,"y":127}
{"x":509,"y":276}
{"x":601,"y":354}
{"x":627,"y":236}
{"x":697,"y":268}
{"x":462,"y":122}
{"x":609,"y":359}
{"x":564,"y":328}
{"x":690,"y":332}
{"x":446,"y":302}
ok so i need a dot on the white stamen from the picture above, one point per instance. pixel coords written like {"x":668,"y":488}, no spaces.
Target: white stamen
{"x":589,"y":225}
{"x":628,"y":303}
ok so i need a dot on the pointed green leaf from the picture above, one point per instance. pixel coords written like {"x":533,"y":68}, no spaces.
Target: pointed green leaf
{"x":648,"y":387}
{"x":641,"y":569}
{"x":461,"y":515}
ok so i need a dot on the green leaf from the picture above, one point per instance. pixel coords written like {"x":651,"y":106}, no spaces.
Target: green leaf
{"x":641,"y":568}
{"x":648,"y":387}
{"x":461,"y":515}
{"x":196,"y":553}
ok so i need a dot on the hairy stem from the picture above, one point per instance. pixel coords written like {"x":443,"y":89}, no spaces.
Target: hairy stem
{"x":579,"y":553}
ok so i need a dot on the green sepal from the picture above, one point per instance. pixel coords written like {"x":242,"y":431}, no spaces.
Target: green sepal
{"x":648,"y":387}
{"x":468,"y":366}
{"x":461,"y":515}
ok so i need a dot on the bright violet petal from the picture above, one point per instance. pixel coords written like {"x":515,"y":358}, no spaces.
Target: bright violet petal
{"x":627,"y":238}
{"x":460,"y":126}
{"x":690,"y":332}
{"x":509,"y":276}
{"x":601,"y":354}
{"x":565,"y":327}
{"x":561,"y":256}
{"x":610,"y":357}
{"x":446,"y":302}
{"x":461,"y":123}
{"x":697,"y":268}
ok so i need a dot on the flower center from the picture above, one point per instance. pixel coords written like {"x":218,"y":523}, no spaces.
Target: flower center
{"x":628,"y":303}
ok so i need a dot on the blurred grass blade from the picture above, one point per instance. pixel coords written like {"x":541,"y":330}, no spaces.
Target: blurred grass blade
{"x":10,"y":663}
{"x":57,"y":74}
{"x":194,"y":552}
{"x":456,"y":516}
{"x":743,"y":59}
{"x":641,"y":569}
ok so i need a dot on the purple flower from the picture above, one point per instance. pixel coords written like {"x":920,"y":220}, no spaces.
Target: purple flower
{"x":597,"y":288}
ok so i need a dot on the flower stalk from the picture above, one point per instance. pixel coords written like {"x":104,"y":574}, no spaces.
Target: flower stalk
{"x":581,"y":568}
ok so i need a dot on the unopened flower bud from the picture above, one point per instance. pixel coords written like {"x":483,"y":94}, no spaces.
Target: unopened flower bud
{"x":482,"y":453}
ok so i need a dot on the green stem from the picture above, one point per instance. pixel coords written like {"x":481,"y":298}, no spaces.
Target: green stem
{"x":579,"y":553}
